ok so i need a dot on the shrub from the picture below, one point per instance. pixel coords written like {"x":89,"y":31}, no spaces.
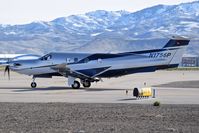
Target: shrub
{"x":156,"y":103}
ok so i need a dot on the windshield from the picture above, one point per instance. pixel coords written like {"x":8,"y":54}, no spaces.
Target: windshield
{"x":46,"y":57}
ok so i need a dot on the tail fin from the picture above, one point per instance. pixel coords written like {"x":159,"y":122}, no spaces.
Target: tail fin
{"x":177,"y":42}
{"x":178,"y":46}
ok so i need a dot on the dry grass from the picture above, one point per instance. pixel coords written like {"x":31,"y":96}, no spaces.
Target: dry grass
{"x":2,"y":68}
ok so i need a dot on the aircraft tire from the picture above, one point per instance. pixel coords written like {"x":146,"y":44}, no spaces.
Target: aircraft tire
{"x":33,"y":84}
{"x":76,"y":85}
{"x":86,"y":84}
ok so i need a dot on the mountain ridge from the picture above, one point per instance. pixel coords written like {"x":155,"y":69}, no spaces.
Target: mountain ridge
{"x":105,"y":31}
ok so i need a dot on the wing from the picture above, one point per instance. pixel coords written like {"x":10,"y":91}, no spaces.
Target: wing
{"x":64,"y":70}
{"x":89,"y":74}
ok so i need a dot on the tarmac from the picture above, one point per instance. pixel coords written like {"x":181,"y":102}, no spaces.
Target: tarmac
{"x":171,"y":87}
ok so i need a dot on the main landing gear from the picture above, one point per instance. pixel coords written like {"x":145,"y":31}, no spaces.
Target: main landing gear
{"x":76,"y":84}
{"x":86,"y":84}
{"x":33,"y":84}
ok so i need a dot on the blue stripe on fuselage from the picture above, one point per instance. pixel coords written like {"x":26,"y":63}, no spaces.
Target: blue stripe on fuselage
{"x":108,"y":56}
{"x":121,"y":72}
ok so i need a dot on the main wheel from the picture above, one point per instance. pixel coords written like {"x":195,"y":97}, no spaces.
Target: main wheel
{"x":33,"y":84}
{"x":76,"y":85}
{"x":86,"y":84}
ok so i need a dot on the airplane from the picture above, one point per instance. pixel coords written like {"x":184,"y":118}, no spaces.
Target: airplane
{"x":84,"y":68}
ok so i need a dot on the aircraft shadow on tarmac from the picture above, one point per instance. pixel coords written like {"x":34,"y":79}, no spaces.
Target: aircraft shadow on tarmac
{"x":128,"y":99}
{"x":55,"y":88}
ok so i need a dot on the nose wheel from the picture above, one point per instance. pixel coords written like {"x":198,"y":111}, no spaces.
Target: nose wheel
{"x":33,"y":84}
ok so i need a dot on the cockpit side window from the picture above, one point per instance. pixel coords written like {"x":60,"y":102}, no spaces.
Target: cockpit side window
{"x":46,"y":57}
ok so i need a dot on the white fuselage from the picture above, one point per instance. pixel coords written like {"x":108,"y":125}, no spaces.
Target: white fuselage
{"x":80,"y":62}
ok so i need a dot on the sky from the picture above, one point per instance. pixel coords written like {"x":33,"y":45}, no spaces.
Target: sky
{"x":26,"y":11}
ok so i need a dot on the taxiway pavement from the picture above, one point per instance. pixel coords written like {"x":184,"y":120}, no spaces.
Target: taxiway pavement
{"x":172,"y":87}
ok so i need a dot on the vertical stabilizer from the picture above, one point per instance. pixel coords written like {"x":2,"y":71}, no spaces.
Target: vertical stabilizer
{"x":178,"y":44}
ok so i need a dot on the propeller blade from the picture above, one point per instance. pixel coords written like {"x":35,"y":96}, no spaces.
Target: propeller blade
{"x":9,"y":73}
{"x":7,"y":69}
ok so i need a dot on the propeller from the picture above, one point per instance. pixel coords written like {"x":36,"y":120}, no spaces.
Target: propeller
{"x":7,"y":69}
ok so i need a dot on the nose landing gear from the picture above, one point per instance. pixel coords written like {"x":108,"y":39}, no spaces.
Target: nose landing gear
{"x":33,"y":84}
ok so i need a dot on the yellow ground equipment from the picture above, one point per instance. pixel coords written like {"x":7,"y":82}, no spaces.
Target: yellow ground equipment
{"x":142,"y":92}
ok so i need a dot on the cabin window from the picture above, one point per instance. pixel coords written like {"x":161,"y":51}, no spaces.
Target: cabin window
{"x":99,"y":60}
{"x":75,"y":60}
{"x":86,"y":60}
{"x":68,"y":60}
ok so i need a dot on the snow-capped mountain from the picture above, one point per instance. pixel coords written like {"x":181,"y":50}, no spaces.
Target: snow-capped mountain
{"x":105,"y":31}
